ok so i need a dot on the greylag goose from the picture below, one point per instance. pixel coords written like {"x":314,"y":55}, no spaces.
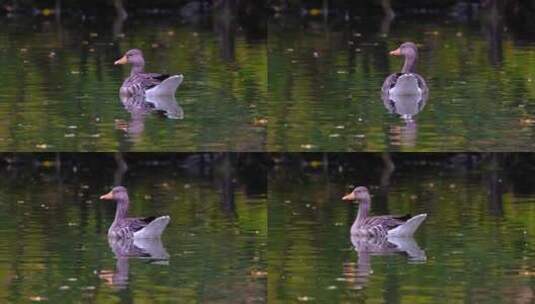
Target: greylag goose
{"x":407,"y":82}
{"x":128,"y":227}
{"x":380,"y":226}
{"x":148,"y":84}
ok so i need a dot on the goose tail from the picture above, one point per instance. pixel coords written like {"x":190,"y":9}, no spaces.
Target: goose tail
{"x":154,"y":229}
{"x":153,"y":247}
{"x":167,"y":87}
{"x":408,"y":228}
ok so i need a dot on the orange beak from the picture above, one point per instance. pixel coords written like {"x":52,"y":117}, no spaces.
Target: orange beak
{"x":121,"y":61}
{"x":108,"y":196}
{"x":349,"y":197}
{"x":396,"y":52}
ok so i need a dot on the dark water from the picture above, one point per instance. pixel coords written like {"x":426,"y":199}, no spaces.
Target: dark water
{"x":325,"y":77}
{"x":475,"y":246}
{"x":60,"y":88}
{"x":54,"y":245}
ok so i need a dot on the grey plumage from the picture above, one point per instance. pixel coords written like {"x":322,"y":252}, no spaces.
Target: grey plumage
{"x":414,"y":83}
{"x":139,"y":81}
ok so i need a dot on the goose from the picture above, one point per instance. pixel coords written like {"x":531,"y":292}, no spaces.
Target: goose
{"x":384,"y":225}
{"x":407,"y":82}
{"x":129,"y":227}
{"x":148,"y":84}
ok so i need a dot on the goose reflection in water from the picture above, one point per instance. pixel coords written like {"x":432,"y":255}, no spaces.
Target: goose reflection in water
{"x":406,"y":106}
{"x":150,"y":250}
{"x":358,"y":274}
{"x":139,"y":107}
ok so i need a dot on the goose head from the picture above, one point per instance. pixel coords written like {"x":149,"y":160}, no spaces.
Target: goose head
{"x":133,"y":57}
{"x":406,"y":49}
{"x":116,"y":194}
{"x":359,"y":194}
{"x":410,"y":52}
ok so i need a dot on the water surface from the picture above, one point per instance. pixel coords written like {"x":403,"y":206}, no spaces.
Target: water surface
{"x":477,"y":242}
{"x":60,"y":87}
{"x":325,"y":76}
{"x":54,"y":246}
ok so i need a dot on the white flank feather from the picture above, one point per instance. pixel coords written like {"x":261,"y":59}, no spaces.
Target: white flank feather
{"x":408,"y":228}
{"x":153,"y":247}
{"x":154,"y":229}
{"x":167,"y":87}
{"x":167,"y":104}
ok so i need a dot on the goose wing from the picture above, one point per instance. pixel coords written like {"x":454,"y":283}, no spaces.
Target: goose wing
{"x":379,"y":225}
{"x":144,"y":81}
{"x":389,"y":82}
{"x":421,"y":83}
{"x":136,"y":224}
{"x":149,"y":80}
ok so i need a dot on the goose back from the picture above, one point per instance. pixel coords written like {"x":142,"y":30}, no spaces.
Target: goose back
{"x":125,"y":228}
{"x":138,"y":83}
{"x":377,"y":225}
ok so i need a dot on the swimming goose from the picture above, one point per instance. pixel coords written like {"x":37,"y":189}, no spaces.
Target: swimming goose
{"x":125,"y":227}
{"x":407,"y":82}
{"x":148,"y":84}
{"x":384,"y":225}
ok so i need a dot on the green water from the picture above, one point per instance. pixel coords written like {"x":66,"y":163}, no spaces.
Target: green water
{"x":476,"y":244}
{"x":54,"y":227}
{"x":60,"y":88}
{"x":325,"y":77}
{"x":308,"y":84}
